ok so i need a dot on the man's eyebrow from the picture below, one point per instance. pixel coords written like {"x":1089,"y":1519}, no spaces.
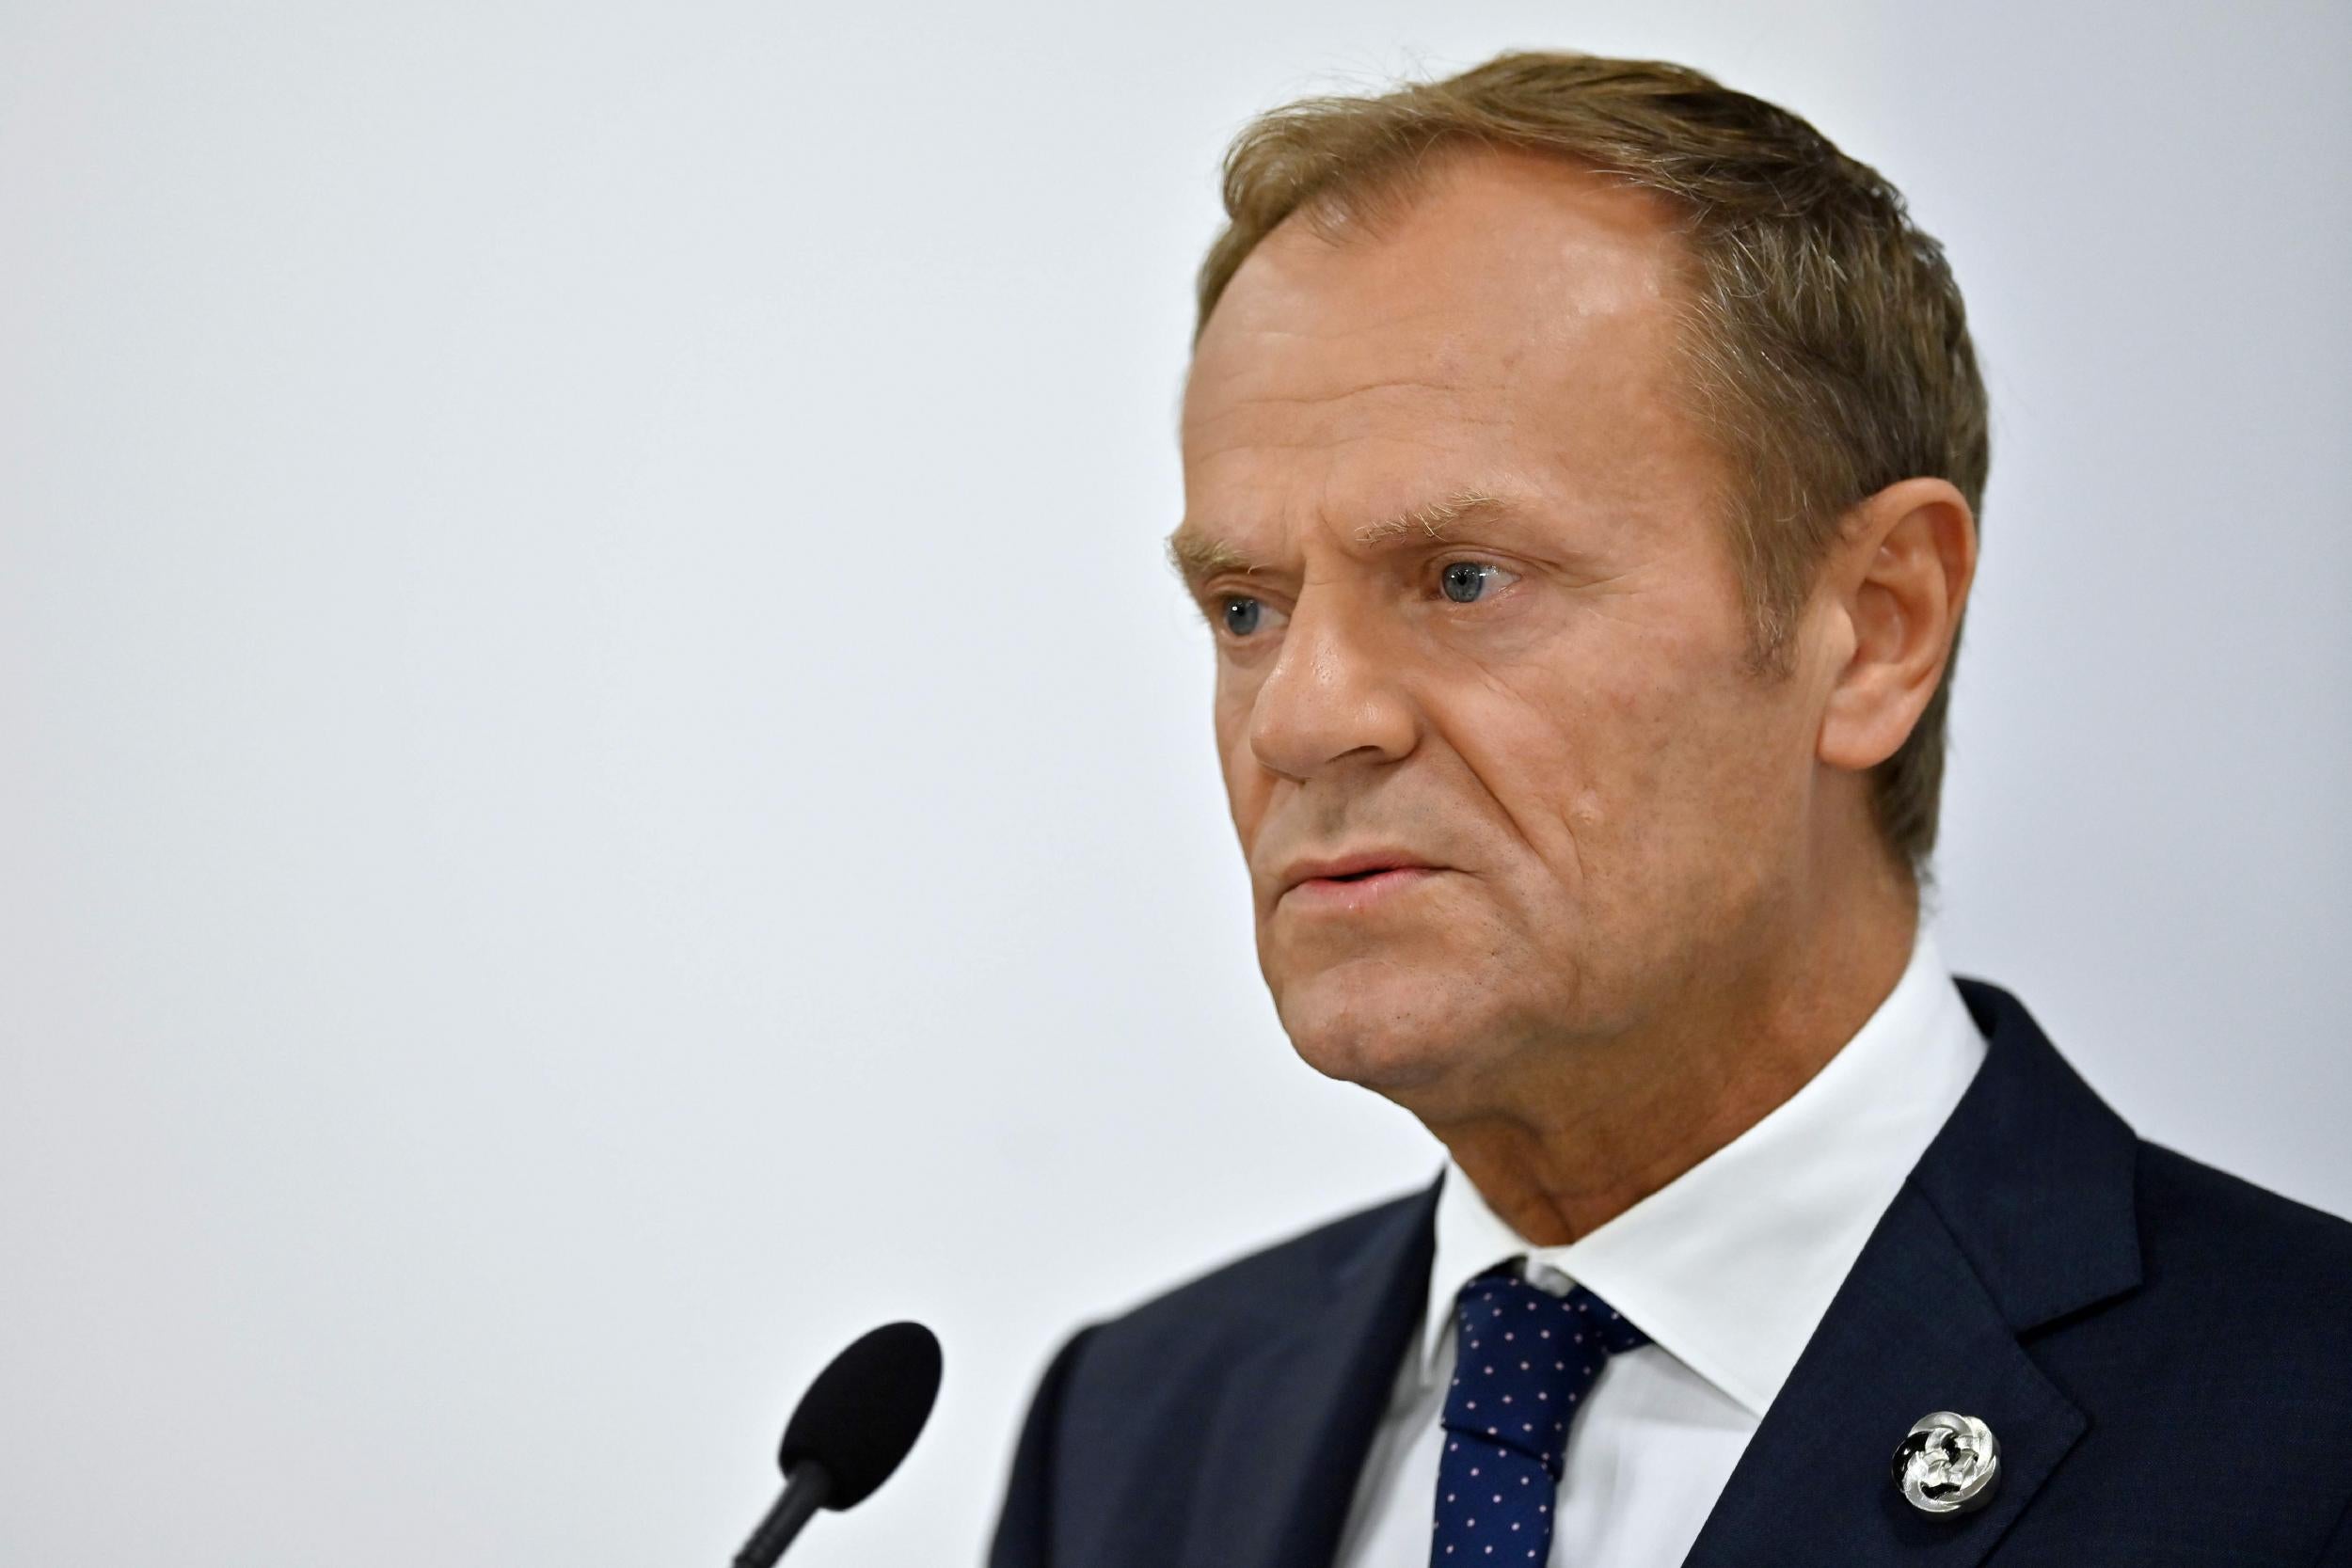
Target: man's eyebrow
{"x":1432,"y":518}
{"x":1197,"y":557}
{"x":1197,"y":554}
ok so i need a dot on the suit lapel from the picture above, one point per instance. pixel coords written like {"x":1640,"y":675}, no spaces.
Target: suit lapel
{"x":1283,"y":1455}
{"x":1911,"y":1331}
{"x":2020,"y":1213}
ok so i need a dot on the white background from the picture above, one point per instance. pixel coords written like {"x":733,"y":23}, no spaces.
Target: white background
{"x":601,"y":785}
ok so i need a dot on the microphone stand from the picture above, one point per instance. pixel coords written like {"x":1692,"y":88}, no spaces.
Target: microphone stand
{"x":805,"y":1488}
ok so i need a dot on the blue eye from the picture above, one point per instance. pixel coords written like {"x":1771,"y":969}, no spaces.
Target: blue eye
{"x":1241,"y":616}
{"x":1467,"y":581}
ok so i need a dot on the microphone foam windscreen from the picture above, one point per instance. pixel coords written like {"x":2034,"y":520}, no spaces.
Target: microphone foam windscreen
{"x":862,"y":1413}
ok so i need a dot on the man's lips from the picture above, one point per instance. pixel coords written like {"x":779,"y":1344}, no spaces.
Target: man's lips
{"x":1353,"y":880}
{"x":1349,"y":895}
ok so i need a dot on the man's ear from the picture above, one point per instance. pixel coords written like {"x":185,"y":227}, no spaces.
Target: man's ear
{"x":1901,"y":578}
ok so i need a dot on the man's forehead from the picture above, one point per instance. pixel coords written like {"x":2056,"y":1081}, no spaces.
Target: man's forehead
{"x":1508,"y":242}
{"x":1508,"y":286}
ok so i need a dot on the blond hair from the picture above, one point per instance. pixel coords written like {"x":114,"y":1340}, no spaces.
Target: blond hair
{"x":1826,"y":344}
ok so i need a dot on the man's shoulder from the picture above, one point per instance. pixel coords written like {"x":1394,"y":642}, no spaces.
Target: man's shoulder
{"x":2236,"y":1338}
{"x":2082,"y":1224}
{"x":1257,"y":1286}
{"x":2278,"y":1271}
{"x":2227,"y":1367}
{"x":1134,"y":1410}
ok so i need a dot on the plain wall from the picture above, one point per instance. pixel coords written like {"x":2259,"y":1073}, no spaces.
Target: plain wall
{"x":602,"y":785}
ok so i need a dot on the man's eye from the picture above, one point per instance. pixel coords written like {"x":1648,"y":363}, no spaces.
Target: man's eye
{"x":1242,"y":616}
{"x":1468,"y":581}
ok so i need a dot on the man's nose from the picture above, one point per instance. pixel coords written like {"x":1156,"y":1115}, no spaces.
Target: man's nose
{"x":1332,"y":692}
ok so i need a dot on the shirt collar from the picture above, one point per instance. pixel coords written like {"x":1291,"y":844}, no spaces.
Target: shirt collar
{"x":1730,"y":1267}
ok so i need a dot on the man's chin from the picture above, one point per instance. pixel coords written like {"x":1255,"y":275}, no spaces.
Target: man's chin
{"x":1390,"y":1044}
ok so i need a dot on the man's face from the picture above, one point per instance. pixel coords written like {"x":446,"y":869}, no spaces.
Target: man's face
{"x":1476,"y":618}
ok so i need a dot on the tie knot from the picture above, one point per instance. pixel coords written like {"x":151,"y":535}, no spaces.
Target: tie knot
{"x":1525,"y":1360}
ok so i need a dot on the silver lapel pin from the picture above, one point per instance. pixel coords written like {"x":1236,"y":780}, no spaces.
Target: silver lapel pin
{"x":1948,"y":1463}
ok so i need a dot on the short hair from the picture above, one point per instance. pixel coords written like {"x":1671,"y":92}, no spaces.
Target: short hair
{"x":1826,"y":347}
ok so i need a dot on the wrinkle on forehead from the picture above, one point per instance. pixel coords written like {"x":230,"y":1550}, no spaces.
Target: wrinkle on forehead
{"x":1319,"y":398}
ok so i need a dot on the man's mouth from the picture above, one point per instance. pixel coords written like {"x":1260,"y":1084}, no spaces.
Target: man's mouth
{"x":1357,"y":891}
{"x":1353,"y":881}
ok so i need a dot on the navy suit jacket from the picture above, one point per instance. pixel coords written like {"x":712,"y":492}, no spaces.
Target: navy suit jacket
{"x":2163,"y":1352}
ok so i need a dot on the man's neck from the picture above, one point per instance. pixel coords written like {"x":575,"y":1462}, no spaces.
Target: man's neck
{"x":1602,"y":1126}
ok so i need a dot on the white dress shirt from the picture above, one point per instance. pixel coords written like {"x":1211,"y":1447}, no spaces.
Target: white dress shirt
{"x":1729,"y":1269}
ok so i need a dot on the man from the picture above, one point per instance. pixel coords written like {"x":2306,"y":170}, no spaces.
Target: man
{"x":1582,"y":463}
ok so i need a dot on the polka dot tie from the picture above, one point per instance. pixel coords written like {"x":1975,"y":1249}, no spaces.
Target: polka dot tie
{"x":1524,"y":1360}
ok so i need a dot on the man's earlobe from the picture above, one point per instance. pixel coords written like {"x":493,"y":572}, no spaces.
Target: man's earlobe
{"x":1911,"y":554}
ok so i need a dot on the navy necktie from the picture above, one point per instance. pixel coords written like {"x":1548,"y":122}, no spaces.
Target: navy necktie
{"x":1524,"y":1360}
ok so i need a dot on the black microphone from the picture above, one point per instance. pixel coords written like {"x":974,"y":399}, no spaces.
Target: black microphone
{"x":854,"y":1426}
